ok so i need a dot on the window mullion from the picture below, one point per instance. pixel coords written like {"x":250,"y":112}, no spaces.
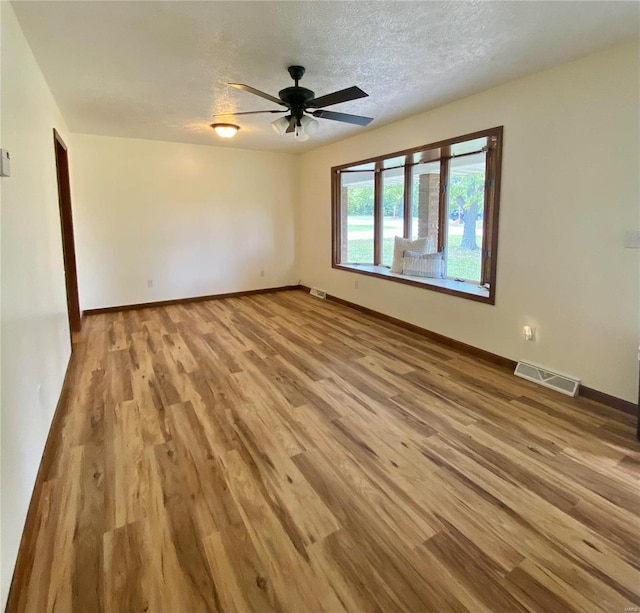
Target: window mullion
{"x":487,"y":224}
{"x":377,"y":215}
{"x":442,"y":213}
{"x":408,"y":200}
{"x":337,"y":215}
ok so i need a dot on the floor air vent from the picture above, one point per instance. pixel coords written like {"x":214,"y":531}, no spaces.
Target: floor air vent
{"x":318,"y":293}
{"x":560,"y":383}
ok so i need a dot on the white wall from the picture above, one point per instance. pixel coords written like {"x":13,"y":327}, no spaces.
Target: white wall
{"x":35,"y":332}
{"x":570,"y":189}
{"x":195,"y":220}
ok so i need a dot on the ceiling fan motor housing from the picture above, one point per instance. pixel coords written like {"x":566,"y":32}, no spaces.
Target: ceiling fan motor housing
{"x":296,"y":98}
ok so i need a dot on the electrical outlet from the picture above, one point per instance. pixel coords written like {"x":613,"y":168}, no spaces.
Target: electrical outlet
{"x":150,"y":283}
{"x":355,"y":284}
{"x":262,"y":273}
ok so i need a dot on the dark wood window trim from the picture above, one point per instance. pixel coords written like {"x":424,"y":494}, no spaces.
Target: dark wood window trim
{"x":378,"y":213}
{"x":408,"y":197}
{"x":490,"y":218}
{"x":442,"y":203}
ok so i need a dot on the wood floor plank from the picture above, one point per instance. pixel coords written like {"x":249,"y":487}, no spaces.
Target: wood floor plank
{"x":33,"y":597}
{"x":241,"y":578}
{"x":290,"y":493}
{"x":274,"y":545}
{"x":278,"y":453}
{"x":550,"y":521}
{"x":61,"y":584}
{"x":124,"y":586}
{"x":476,"y":570}
{"x":186,"y":535}
{"x":369,"y":502}
{"x":537,"y":588}
{"x":88,"y":590}
{"x":126,"y":473}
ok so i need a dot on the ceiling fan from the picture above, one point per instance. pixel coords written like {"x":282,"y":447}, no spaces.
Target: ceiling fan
{"x":300,"y":102}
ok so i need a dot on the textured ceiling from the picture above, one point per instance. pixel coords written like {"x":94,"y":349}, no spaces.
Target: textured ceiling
{"x":158,"y":70}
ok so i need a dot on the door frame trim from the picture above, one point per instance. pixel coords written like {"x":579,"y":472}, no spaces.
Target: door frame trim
{"x":67,"y":235}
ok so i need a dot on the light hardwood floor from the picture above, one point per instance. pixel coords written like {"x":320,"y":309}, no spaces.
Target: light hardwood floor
{"x":281,"y":453}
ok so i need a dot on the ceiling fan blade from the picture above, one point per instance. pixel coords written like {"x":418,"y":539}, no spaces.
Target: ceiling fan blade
{"x":358,"y":120}
{"x":292,"y":126}
{"x":344,"y":95}
{"x":257,"y":92}
{"x":250,"y":113}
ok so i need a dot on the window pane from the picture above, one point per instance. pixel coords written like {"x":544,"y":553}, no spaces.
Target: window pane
{"x":465,"y":210}
{"x":425,"y":198}
{"x":467,"y":146}
{"x":392,"y":211}
{"x":392,"y":162}
{"x":367,"y":166}
{"x":357,"y":217}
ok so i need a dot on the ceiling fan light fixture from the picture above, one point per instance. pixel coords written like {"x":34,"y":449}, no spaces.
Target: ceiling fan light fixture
{"x":300,"y":134}
{"x":280,"y":125}
{"x":225,"y":130}
{"x":310,"y":125}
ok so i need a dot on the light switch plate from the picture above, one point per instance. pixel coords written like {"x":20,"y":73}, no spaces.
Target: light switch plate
{"x":632,"y":239}
{"x":5,"y":163}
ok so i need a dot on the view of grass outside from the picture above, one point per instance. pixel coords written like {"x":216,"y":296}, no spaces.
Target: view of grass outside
{"x":392,"y":211}
{"x":360,"y":215}
{"x":446,"y":203}
{"x":465,"y":205}
{"x":463,"y":221}
{"x":461,"y":263}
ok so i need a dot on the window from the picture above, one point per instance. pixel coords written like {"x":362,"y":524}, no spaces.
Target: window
{"x":357,"y":208}
{"x":446,"y":192}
